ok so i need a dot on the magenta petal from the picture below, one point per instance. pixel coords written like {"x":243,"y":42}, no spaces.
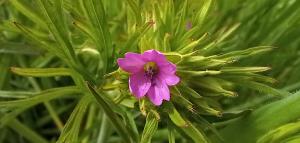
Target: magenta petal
{"x":167,"y":74}
{"x":158,"y":92}
{"x":132,"y":62}
{"x":167,"y":68}
{"x":139,"y":84}
{"x":152,"y":81}
{"x":160,"y":59}
{"x":170,"y":79}
{"x":154,"y":56}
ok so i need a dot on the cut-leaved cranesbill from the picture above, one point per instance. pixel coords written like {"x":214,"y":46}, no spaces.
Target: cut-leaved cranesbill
{"x":151,"y":74}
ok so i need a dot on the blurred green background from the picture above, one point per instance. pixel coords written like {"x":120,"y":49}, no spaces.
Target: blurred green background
{"x":88,"y":36}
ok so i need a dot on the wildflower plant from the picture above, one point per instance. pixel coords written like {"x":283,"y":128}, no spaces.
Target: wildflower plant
{"x":151,"y":75}
{"x":135,"y":71}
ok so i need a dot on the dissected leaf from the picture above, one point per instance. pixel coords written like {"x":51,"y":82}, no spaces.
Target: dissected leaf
{"x":149,"y":128}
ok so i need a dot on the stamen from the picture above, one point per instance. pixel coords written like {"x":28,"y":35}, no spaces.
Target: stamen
{"x":150,"y":69}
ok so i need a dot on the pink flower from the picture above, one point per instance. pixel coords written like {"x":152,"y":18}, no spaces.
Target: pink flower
{"x":151,"y":74}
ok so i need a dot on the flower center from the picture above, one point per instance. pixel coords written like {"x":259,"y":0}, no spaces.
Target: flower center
{"x":150,"y":69}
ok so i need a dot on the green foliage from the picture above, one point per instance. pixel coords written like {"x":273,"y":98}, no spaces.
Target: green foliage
{"x":269,"y":123}
{"x":60,"y":82}
{"x":150,"y":127}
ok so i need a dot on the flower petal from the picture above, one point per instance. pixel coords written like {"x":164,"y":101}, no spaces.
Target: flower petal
{"x":132,"y":62}
{"x":154,"y":56}
{"x":167,"y":74}
{"x":168,"y":68}
{"x":160,"y":60}
{"x":170,"y":79}
{"x":158,"y":92}
{"x":139,"y":84}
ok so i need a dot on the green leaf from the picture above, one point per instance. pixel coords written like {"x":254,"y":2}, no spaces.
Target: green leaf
{"x":104,"y":130}
{"x":260,"y":87}
{"x":171,"y":134}
{"x":295,"y":139}
{"x":181,"y":99}
{"x":136,"y":10}
{"x":191,"y":46}
{"x":280,"y":133}
{"x":150,"y":127}
{"x":182,"y":18}
{"x":173,"y":57}
{"x":132,"y":127}
{"x":41,"y":72}
{"x":212,"y":84}
{"x":5,"y":62}
{"x":232,"y":114}
{"x":94,"y":11}
{"x":136,"y":36}
{"x":18,"y":48}
{"x":55,"y":18}
{"x":210,"y":48}
{"x":43,"y":96}
{"x":260,"y":121}
{"x":187,"y":90}
{"x":39,"y":41}
{"x":244,"y":69}
{"x":28,"y":11}
{"x":248,"y":76}
{"x":246,"y":53}
{"x":186,"y":126}
{"x":117,"y":123}
{"x":176,"y":117}
{"x":7,"y":117}
{"x":15,"y":94}
{"x":71,"y":130}
{"x":82,"y":26}
{"x":202,"y":13}
{"x":186,"y":73}
{"x":25,"y":131}
{"x":194,"y":133}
